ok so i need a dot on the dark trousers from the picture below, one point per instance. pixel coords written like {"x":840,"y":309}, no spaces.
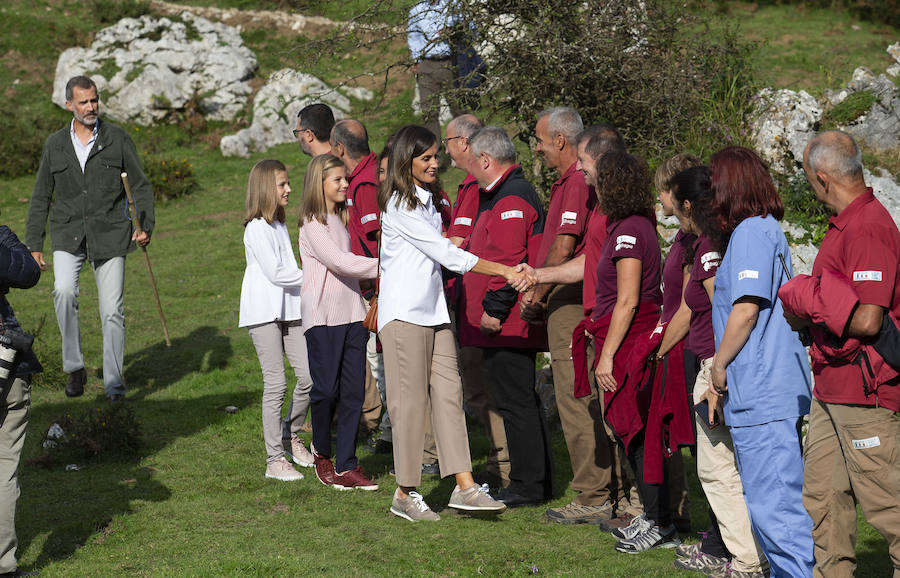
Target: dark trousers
{"x":655,"y":497}
{"x":510,"y":373}
{"x":337,"y":365}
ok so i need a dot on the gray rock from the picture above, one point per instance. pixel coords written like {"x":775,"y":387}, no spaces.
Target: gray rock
{"x":148,"y":68}
{"x":784,"y":122}
{"x":275,"y":109}
{"x":886,"y":190}
{"x":880,"y":127}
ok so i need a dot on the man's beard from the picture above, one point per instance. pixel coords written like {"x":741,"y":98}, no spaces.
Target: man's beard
{"x":91,"y":121}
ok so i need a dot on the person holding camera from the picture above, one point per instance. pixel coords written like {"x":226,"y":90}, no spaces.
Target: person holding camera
{"x":19,"y":270}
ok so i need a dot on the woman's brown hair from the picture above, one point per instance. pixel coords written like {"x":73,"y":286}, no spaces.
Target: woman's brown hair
{"x":409,"y":142}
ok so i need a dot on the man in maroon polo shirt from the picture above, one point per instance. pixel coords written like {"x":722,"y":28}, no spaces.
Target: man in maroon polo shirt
{"x":507,"y":228}
{"x":475,"y":389}
{"x":350,"y":143}
{"x":853,"y":445}
{"x":571,"y":203}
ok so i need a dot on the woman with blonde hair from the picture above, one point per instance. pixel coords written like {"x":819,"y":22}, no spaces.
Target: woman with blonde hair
{"x":333,"y":311}
{"x":270,"y":309}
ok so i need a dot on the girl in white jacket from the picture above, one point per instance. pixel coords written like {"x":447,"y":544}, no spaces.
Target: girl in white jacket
{"x":270,"y":310}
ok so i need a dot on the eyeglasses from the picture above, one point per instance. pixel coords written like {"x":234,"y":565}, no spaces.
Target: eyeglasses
{"x":298,"y":131}
{"x":447,"y":140}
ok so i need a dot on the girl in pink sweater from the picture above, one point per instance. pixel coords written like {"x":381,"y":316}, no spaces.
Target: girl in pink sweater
{"x":332,"y":310}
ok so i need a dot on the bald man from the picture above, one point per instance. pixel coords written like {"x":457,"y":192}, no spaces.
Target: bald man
{"x":853,"y":445}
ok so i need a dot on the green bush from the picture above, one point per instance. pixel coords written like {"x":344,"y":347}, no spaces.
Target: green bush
{"x":21,"y":155}
{"x":802,"y":209}
{"x":885,"y":11}
{"x":170,"y":179}
{"x":110,"y":432}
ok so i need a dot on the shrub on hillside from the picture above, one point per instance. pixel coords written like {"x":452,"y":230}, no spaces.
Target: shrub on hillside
{"x":801,"y":208}
{"x":111,"y":11}
{"x":26,"y":131}
{"x":170,"y":179}
{"x":885,"y":11}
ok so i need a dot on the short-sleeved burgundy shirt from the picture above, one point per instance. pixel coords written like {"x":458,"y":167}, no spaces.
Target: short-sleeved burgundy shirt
{"x":633,"y":237}
{"x":673,"y":274}
{"x":571,"y":203}
{"x":593,"y":249}
{"x":863,"y":243}
{"x":701,"y":340}
{"x":362,"y":200}
{"x":462,"y":219}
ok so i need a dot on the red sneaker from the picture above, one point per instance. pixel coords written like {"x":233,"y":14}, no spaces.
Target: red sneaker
{"x":324,"y":469}
{"x":354,"y":479}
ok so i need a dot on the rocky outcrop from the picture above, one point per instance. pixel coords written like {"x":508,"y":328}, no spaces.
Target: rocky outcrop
{"x":148,"y":68}
{"x":784,"y":122}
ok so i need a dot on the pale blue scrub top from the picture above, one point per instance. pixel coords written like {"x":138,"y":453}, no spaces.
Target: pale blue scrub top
{"x":769,"y":379}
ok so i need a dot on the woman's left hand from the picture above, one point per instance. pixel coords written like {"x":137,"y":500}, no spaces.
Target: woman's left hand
{"x":604,"y":374}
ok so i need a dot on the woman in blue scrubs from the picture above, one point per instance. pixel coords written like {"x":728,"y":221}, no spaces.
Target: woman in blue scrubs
{"x":760,"y":367}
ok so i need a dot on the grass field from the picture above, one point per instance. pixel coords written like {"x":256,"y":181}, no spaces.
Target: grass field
{"x":194,"y":501}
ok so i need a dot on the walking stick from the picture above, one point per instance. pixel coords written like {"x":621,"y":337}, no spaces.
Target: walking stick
{"x":136,"y":223}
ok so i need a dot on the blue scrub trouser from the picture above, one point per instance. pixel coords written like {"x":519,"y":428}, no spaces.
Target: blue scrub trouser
{"x":771,"y":467}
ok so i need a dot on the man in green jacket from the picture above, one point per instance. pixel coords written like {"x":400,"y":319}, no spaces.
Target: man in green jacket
{"x":79,"y":187}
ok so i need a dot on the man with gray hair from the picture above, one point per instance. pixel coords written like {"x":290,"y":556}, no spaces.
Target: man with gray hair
{"x":565,"y":235}
{"x":510,"y":219}
{"x":79,"y":187}
{"x":853,"y":445}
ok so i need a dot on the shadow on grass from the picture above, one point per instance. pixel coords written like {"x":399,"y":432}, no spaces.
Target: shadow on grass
{"x":65,"y":510}
{"x":157,"y":367}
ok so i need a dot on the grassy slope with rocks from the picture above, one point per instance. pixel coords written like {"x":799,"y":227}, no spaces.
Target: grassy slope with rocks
{"x":194,"y":500}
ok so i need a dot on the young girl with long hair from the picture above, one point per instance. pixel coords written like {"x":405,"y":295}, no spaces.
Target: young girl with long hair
{"x":333,"y":311}
{"x":270,"y":310}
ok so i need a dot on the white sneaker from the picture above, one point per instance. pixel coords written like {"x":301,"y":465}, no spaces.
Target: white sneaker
{"x":281,"y":469}
{"x":412,"y":508}
{"x":475,"y":498}
{"x":298,"y":452}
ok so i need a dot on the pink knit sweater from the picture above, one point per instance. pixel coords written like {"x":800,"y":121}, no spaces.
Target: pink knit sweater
{"x":330,"y":292}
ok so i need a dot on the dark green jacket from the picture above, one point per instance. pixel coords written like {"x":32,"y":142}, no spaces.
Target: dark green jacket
{"x":89,"y":207}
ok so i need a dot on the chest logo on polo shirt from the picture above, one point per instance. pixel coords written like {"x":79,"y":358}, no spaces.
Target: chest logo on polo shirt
{"x":366,"y":218}
{"x":445,"y":202}
{"x":748,"y":274}
{"x":511,"y":215}
{"x":867,"y":275}
{"x":462,"y":221}
{"x":625,"y":242}
{"x":710,"y":260}
{"x":569,"y":218}
{"x":349,"y":202}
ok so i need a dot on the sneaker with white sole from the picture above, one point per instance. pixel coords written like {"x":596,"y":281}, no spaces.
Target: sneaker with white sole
{"x":354,"y":479}
{"x":412,"y":508}
{"x":298,"y":453}
{"x":638,"y":524}
{"x":281,"y":469}
{"x":728,"y":572}
{"x":650,"y":538}
{"x":475,"y":499}
{"x":573,"y":513}
{"x":700,"y":562}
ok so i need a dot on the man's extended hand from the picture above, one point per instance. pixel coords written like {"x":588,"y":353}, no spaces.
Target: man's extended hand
{"x":527,"y":279}
{"x":142,"y":239}
{"x":39,"y":257}
{"x":490,"y":325}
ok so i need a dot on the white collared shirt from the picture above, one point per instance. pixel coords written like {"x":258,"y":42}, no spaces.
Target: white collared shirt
{"x":271,"y":287}
{"x":82,"y":150}
{"x":412,"y":252}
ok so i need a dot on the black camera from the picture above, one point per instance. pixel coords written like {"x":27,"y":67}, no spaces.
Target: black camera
{"x":12,"y":341}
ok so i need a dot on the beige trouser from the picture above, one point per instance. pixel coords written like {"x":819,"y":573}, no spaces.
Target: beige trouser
{"x":852,"y":453}
{"x":420,"y":364}
{"x":478,"y":400}
{"x":14,"y":410}
{"x":581,"y":418}
{"x":371,"y":409}
{"x":718,"y":474}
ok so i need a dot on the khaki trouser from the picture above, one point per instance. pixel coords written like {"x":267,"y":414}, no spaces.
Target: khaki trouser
{"x":718,"y":474}
{"x":852,"y":454}
{"x":420,"y":364}
{"x":14,"y":409}
{"x":479,"y":401}
{"x":581,"y":418}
